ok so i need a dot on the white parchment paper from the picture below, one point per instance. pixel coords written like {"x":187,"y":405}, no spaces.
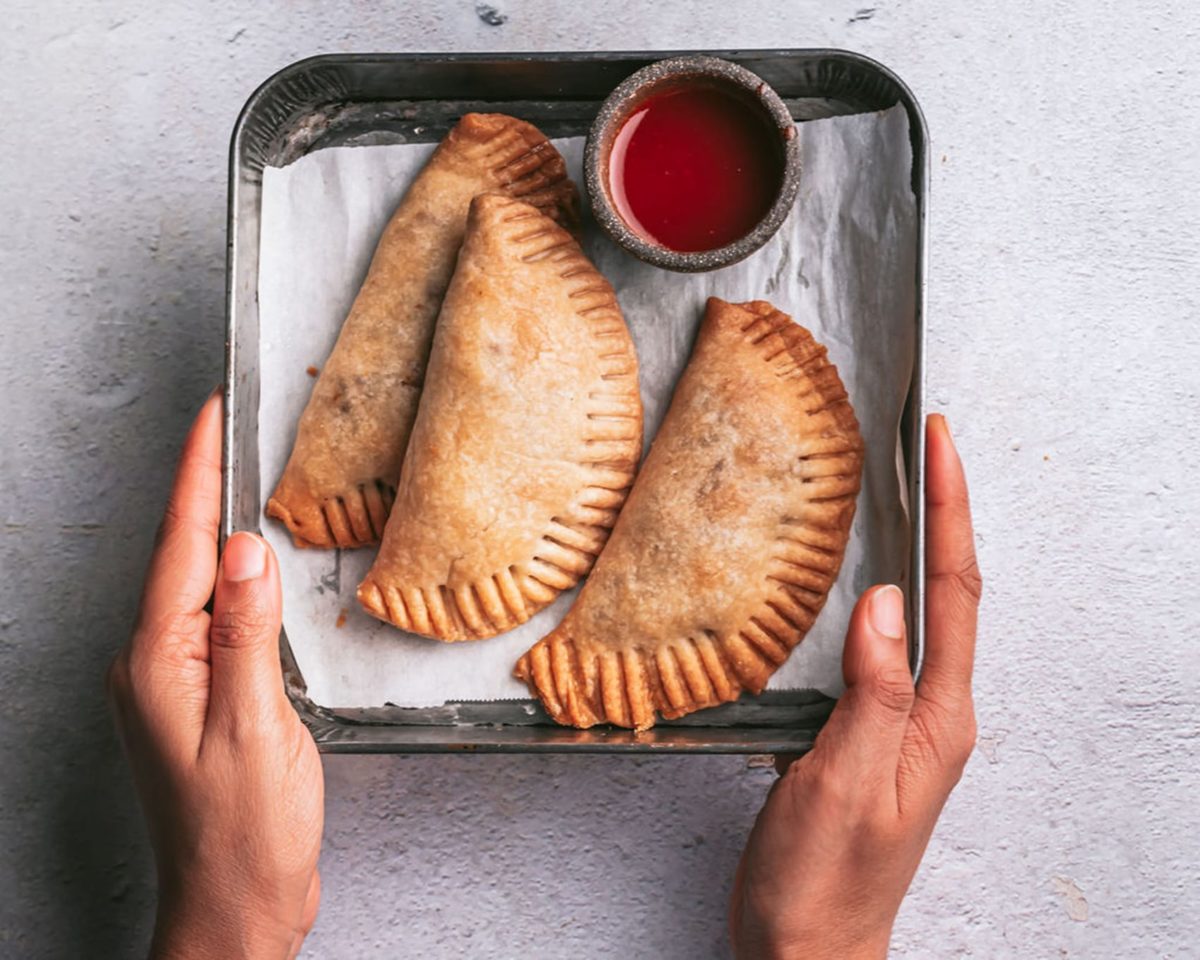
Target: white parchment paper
{"x":843,"y":265}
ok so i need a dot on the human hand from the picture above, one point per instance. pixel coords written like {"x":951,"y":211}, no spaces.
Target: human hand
{"x":229,"y":778}
{"x":844,"y":828}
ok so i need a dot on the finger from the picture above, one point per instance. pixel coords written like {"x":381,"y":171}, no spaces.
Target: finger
{"x":179,"y":581}
{"x":952,"y":576}
{"x":244,"y":638}
{"x":863,"y":735}
{"x":942,"y":732}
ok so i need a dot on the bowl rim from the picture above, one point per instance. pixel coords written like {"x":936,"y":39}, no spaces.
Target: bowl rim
{"x":616,"y":108}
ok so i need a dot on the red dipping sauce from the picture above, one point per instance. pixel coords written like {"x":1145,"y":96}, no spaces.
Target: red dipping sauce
{"x":695,"y":167}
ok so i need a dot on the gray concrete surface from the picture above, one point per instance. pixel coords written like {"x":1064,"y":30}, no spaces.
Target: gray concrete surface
{"x":1064,"y":347}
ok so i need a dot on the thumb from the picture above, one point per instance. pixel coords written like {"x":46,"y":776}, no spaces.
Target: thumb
{"x":244,"y":638}
{"x":866,"y":728}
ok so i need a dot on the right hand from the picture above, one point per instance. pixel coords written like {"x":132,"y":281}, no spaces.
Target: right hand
{"x":844,"y":828}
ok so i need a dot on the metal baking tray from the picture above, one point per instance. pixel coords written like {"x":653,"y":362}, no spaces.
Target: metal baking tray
{"x":359,"y":99}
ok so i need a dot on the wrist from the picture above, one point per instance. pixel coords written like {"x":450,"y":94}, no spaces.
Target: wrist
{"x":215,"y":935}
{"x":825,"y":952}
{"x":829,"y":947}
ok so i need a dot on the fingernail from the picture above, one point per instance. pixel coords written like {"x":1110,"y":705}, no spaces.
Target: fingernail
{"x":245,"y":558}
{"x":886,"y":612}
{"x":945,"y":425}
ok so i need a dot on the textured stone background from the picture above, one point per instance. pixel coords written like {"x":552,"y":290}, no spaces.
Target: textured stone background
{"x":1064,"y":347}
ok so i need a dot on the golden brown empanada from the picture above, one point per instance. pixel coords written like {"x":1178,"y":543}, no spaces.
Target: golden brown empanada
{"x":339,"y":482}
{"x":526,"y":439}
{"x":732,"y":536}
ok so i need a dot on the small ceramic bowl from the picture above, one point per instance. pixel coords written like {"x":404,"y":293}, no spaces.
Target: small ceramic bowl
{"x":629,"y":95}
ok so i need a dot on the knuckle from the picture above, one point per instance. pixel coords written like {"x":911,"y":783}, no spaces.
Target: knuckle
{"x":819,"y":780}
{"x":311,"y":905}
{"x":946,"y":737}
{"x":964,"y":744}
{"x":892,"y":688}
{"x":956,"y":765}
{"x":971,"y":579}
{"x":164,"y":625}
{"x":968,"y":581}
{"x":132,"y":685}
{"x":139,"y":677}
{"x":841,"y":796}
{"x":926,"y":750}
{"x":172,"y":519}
{"x":241,"y":625}
{"x":177,"y":517}
{"x":834,"y":790}
{"x":968,"y":725}
{"x":831,"y":790}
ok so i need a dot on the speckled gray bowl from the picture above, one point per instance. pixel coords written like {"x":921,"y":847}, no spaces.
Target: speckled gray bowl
{"x":626,"y":98}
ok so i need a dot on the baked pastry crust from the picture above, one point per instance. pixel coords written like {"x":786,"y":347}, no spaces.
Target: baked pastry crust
{"x":339,"y":483}
{"x":526,"y":440}
{"x":730,"y":540}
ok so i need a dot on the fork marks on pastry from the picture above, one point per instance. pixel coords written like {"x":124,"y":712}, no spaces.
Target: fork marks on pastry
{"x":583,"y":686}
{"x":355,"y":519}
{"x":565,"y":555}
{"x":487,"y":606}
{"x":336,"y":523}
{"x":479,"y":608}
{"x":522,"y":165}
{"x":603,"y":293}
{"x":466,"y":601}
{"x":612,"y":444}
{"x":764,"y":641}
{"x":545,"y":245}
{"x":541,"y":230}
{"x":810,"y":543}
{"x":357,"y":515}
{"x":510,"y":594}
{"x":521,"y":162}
{"x":378,"y":499}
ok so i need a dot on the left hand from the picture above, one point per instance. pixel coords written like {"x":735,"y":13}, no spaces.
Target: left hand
{"x":229,"y":778}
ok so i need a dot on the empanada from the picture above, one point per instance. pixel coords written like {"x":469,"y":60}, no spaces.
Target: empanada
{"x":732,"y":536}
{"x":526,"y":440}
{"x":339,"y":482}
